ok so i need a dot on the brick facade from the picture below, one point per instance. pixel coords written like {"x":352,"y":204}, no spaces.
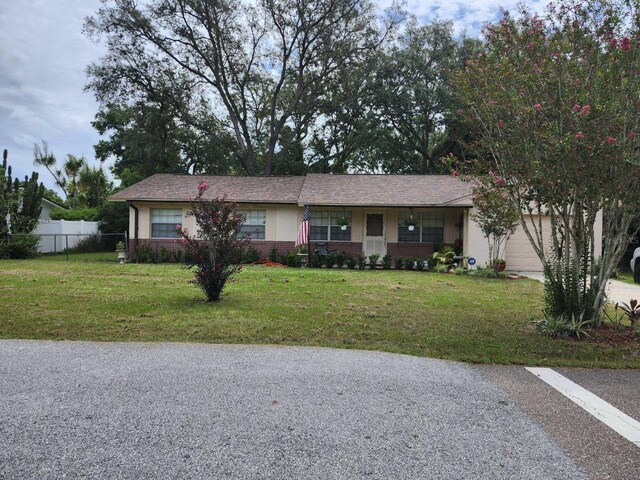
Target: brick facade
{"x":352,"y":248}
{"x":409,"y":249}
{"x":264,"y":247}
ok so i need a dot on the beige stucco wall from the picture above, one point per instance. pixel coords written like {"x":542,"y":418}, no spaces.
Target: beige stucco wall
{"x":475,"y":243}
{"x":282,"y":221}
{"x":519,"y":254}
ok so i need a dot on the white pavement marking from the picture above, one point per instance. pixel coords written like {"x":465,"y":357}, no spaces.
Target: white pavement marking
{"x":603,"y":411}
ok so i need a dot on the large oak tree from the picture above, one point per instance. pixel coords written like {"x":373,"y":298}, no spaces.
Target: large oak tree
{"x":261,"y":67}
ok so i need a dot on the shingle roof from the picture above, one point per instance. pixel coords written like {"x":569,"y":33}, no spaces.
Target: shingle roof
{"x":167,"y":187}
{"x":314,"y":189}
{"x":385,"y":190}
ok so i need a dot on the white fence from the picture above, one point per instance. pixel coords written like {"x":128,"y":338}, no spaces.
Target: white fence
{"x":48,"y":228}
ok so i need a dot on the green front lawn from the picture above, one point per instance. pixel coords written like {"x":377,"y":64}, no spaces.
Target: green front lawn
{"x":425,"y":314}
{"x":626,"y":277}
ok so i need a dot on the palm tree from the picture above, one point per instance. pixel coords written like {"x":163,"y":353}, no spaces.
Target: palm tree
{"x":72,"y":168}
{"x":92,"y":184}
{"x":44,"y":158}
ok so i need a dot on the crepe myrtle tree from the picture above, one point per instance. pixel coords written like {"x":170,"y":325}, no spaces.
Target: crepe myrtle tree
{"x":556,"y":99}
{"x":218,"y":247}
{"x":495,"y":213}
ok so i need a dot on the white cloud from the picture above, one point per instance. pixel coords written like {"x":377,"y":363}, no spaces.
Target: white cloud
{"x":468,"y":16}
{"x":43,"y":54}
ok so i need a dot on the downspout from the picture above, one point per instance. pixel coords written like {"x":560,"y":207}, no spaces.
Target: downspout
{"x":135,"y":229}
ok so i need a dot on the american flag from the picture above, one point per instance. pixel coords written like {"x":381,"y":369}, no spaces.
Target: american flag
{"x":303,"y":231}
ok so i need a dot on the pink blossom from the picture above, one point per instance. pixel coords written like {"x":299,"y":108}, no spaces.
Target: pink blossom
{"x":501,"y":123}
{"x":613,"y":42}
{"x":625,"y":44}
{"x":456,"y":173}
{"x":202,"y":187}
{"x":611,"y":140}
{"x":632,"y":135}
{"x":185,"y":241}
{"x":576,"y":108}
{"x":537,"y":106}
{"x":530,"y":45}
{"x":580,"y":135}
{"x":586,"y":109}
{"x":178,"y":226}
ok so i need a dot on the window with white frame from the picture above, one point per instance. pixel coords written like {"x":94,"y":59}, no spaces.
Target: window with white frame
{"x":429,"y":227}
{"x":325,"y":226}
{"x":164,"y":222}
{"x":254,"y":224}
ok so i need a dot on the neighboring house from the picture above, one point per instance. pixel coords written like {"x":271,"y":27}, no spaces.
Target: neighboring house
{"x":377,"y":205}
{"x":57,"y":235}
{"x":47,"y":207}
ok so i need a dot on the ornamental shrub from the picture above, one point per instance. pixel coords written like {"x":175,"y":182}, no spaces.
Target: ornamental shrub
{"x":252,"y":255}
{"x":329,"y":260}
{"x":20,"y":247}
{"x":292,"y":259}
{"x":408,"y":263}
{"x":218,"y":250}
{"x":145,"y":254}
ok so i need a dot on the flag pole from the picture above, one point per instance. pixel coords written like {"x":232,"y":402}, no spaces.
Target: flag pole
{"x":309,"y":239}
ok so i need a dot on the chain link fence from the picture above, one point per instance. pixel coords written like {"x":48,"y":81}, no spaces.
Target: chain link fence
{"x":66,"y":246}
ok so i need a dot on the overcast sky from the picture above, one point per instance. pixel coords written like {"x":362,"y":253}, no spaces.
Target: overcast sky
{"x":43,"y":55}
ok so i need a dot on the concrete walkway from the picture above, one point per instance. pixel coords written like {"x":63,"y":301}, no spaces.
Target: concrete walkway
{"x":114,"y":410}
{"x":617,"y":291}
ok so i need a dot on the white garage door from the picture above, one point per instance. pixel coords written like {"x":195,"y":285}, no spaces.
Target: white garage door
{"x":520,"y":255}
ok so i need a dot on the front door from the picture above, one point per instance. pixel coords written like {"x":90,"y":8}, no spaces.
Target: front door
{"x":374,"y":235}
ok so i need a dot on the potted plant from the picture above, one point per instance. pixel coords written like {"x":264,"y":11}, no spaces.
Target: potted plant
{"x":500,"y":265}
{"x":343,"y":221}
{"x":121,"y":251}
{"x":410,"y":223}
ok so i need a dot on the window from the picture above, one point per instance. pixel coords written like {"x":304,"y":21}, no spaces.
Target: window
{"x":375,"y":225}
{"x":432,"y":224}
{"x":324,"y":227}
{"x":254,"y":224}
{"x":164,"y":221}
{"x":429,"y":227}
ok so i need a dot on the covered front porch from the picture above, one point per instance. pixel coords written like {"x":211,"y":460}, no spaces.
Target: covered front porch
{"x":398,"y":232}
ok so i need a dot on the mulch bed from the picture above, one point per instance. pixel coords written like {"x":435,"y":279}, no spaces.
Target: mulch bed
{"x":613,"y":335}
{"x":267,"y":263}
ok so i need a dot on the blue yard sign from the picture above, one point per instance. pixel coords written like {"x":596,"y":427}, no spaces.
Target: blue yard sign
{"x":472,"y":261}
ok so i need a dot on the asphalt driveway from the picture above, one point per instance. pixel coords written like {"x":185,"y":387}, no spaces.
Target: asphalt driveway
{"x":109,"y":410}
